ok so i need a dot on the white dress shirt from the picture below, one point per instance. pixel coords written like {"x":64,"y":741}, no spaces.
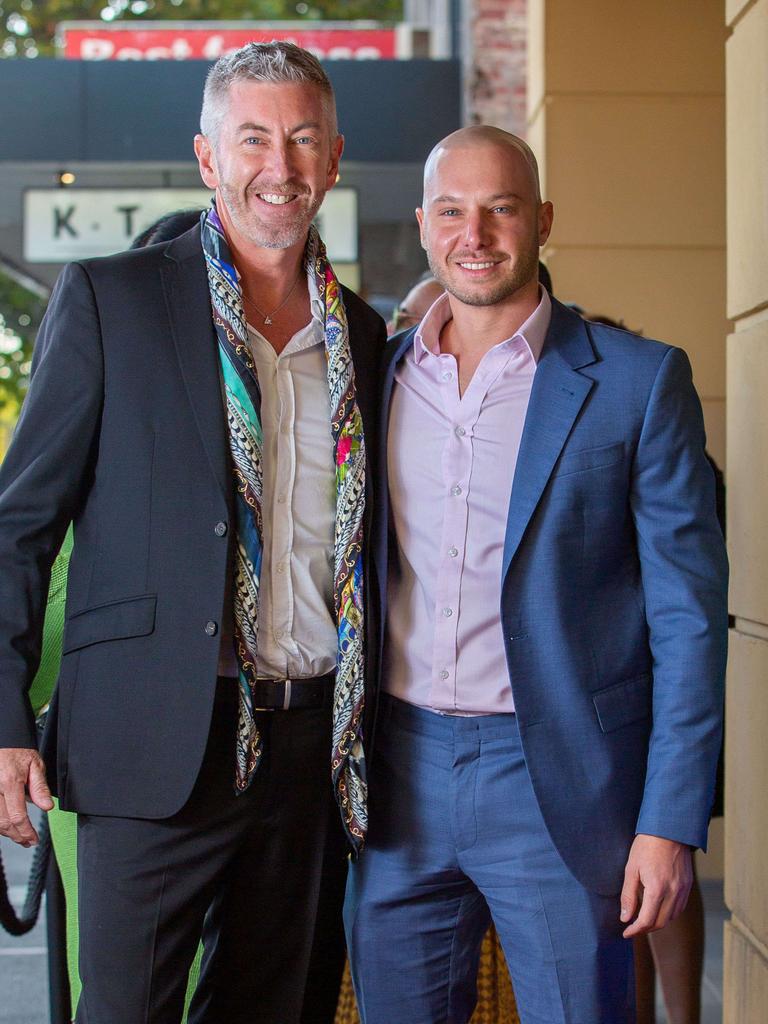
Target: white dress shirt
{"x":296,"y":630}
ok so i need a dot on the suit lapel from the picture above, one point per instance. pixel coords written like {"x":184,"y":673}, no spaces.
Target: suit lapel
{"x":393,"y":353}
{"x":557,"y":396}
{"x":185,"y":284}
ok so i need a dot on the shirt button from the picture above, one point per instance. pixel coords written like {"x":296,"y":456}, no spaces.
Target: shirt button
{"x":455,"y":490}
{"x":447,"y":375}
{"x":459,"y":431}
{"x":444,"y":674}
{"x":211,"y":628}
{"x":447,"y":612}
{"x":281,"y":567}
{"x":279,"y":634}
{"x":453,"y":552}
{"x":220,"y":529}
{"x":281,"y":499}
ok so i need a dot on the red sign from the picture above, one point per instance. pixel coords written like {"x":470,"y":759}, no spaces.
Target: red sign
{"x":209,"y":40}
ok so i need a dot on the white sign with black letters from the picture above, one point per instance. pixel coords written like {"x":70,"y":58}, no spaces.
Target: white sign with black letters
{"x":65,"y":224}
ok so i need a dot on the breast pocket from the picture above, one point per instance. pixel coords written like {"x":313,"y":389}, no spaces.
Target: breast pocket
{"x":590,"y":478}
{"x":624,"y":702}
{"x":586,"y":459}
{"x":117,"y":620}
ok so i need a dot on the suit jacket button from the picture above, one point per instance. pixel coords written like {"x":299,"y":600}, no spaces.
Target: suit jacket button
{"x":211,"y":628}
{"x":220,"y":529}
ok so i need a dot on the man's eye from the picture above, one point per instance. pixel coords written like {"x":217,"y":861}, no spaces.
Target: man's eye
{"x":305,"y":140}
{"x":503,"y":209}
{"x":253,"y":140}
{"x":449,"y":213}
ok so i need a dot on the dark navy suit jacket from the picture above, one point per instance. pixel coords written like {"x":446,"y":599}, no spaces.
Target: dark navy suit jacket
{"x":613,"y":595}
{"x":124,"y":432}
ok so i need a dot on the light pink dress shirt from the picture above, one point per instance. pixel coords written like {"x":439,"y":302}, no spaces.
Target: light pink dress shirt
{"x":451,"y":462}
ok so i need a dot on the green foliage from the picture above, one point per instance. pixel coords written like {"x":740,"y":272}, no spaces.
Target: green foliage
{"x":20,"y":314}
{"x":27,"y":27}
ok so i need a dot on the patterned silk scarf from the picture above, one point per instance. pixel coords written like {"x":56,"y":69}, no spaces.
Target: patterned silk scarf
{"x":243,"y":400}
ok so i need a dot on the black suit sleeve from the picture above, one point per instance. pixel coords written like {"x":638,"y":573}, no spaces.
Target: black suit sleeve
{"x":43,"y":481}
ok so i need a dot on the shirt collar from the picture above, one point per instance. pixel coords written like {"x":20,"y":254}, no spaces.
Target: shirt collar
{"x":533,"y":332}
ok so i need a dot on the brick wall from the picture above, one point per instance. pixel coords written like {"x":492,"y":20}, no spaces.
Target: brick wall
{"x":496,"y":65}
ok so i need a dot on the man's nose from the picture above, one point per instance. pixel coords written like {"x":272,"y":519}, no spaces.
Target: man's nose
{"x":476,"y":232}
{"x":279,"y":162}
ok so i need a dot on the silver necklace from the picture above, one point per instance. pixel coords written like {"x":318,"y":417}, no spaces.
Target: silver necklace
{"x":268,"y":316}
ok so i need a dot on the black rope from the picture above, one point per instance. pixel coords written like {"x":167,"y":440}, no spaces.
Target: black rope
{"x":20,"y":924}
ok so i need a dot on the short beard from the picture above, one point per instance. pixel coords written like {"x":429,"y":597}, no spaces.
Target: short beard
{"x":262,"y":235}
{"x":524,"y":270}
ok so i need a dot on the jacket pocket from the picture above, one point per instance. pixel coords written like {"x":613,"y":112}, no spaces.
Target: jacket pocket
{"x":624,"y":702}
{"x":134,"y":616}
{"x":590,"y":458}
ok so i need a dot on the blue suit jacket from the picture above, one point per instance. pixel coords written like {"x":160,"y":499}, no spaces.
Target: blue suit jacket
{"x":613,"y":594}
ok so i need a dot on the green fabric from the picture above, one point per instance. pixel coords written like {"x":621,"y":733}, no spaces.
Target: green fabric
{"x":194,"y":974}
{"x":53,"y":630}
{"x":64,"y":837}
{"x":63,"y":824}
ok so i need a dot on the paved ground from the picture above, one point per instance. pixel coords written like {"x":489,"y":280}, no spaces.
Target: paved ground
{"x":24,"y":979}
{"x":712,"y":982}
{"x":23,"y":961}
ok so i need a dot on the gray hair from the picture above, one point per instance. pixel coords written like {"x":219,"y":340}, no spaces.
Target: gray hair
{"x":277,"y":61}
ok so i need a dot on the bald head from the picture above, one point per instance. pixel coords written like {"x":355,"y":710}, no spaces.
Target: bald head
{"x":421,"y":296}
{"x":411,"y":310}
{"x":478,"y":135}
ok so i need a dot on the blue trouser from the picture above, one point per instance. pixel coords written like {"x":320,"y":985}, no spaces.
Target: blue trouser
{"x":457,"y":838}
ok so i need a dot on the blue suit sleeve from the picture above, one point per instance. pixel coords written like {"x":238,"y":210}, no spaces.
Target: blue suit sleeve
{"x":685,"y":581}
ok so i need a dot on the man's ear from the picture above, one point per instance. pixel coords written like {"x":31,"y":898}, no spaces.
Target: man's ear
{"x":206,"y":161}
{"x":546,"y":216}
{"x":337,"y":148}
{"x":420,"y":218}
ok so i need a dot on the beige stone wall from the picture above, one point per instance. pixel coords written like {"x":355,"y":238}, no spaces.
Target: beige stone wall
{"x":746,"y":878}
{"x":626,"y":110}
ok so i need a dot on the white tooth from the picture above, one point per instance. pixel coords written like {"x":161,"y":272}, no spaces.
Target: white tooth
{"x":276,"y":200}
{"x":476,"y":266}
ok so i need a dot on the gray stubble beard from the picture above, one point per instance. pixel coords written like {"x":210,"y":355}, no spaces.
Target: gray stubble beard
{"x":248,"y":226}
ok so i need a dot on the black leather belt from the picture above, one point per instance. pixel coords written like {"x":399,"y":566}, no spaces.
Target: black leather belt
{"x":290,"y":694}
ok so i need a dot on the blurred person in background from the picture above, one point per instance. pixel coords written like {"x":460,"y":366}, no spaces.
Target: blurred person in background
{"x":410,"y":311}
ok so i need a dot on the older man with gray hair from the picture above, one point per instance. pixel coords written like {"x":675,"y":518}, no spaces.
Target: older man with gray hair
{"x":203,"y":411}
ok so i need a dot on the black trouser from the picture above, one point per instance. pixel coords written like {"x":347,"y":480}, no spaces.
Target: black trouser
{"x":260,"y":875}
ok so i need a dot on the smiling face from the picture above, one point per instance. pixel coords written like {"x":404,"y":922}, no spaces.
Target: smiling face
{"x":482,"y":222}
{"x":273,"y":160}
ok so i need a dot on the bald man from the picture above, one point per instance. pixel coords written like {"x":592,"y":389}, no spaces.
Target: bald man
{"x":411,"y":310}
{"x":554,"y":580}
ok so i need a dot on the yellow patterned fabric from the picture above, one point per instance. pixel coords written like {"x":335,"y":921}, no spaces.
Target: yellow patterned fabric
{"x":495,"y":998}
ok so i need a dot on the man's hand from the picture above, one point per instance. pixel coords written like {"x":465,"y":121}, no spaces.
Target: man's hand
{"x":657,"y":881}
{"x":21,"y":769}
